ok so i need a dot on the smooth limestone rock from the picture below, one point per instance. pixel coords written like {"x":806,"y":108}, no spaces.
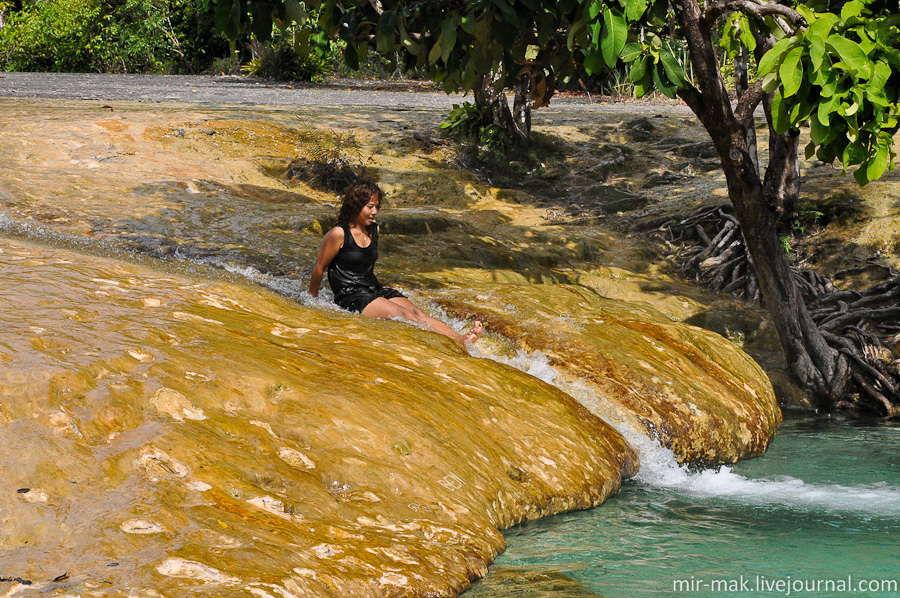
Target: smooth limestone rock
{"x":697,"y":393}
{"x":169,"y":435}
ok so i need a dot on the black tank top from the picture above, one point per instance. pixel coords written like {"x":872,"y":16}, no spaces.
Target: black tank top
{"x":353,"y":268}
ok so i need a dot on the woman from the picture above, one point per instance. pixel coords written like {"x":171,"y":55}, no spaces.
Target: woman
{"x":349,"y":252}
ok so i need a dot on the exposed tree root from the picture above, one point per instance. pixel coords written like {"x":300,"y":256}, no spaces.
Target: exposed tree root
{"x":864,"y":326}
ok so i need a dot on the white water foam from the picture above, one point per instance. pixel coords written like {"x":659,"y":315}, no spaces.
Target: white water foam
{"x":534,"y":364}
{"x":660,"y":469}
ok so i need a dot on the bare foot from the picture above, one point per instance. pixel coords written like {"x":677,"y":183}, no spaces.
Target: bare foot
{"x":474,"y":334}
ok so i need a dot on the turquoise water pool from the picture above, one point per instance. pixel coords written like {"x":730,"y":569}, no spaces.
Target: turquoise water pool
{"x":818,"y":515}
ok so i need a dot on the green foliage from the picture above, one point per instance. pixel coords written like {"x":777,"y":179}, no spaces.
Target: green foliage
{"x":279,"y":59}
{"x":786,"y":244}
{"x":842,"y":74}
{"x":807,"y":214}
{"x":50,"y":36}
{"x":839,"y":72}
{"x":110,"y":36}
{"x":466,"y":125}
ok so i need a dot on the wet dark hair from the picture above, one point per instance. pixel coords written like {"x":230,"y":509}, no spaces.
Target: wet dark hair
{"x":356,"y":197}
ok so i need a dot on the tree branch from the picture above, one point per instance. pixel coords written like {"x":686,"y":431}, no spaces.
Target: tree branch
{"x":748,"y":101}
{"x":754,"y":8}
{"x":693,"y":98}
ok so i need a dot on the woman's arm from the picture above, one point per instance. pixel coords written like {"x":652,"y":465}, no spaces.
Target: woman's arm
{"x":334,"y":240}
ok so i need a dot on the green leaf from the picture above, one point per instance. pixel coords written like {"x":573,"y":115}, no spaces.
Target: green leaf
{"x":822,"y":74}
{"x":881,"y":74}
{"x":854,"y":153}
{"x":876,"y":97}
{"x":261,"y":21}
{"x":632,"y":52}
{"x":436,"y":50}
{"x":467,"y":23}
{"x":635,"y":9}
{"x":593,"y":61}
{"x":673,"y":69}
{"x":228,"y":18}
{"x":829,"y":87}
{"x":780,"y":119}
{"x":301,"y":41}
{"x":810,"y":150}
{"x":770,"y":82}
{"x":848,"y":109}
{"x":791,"y":71}
{"x":574,"y":30}
{"x":879,"y":162}
{"x":771,"y":60}
{"x":295,"y":11}
{"x":467,"y":81}
{"x":823,"y":24}
{"x":593,"y":9}
{"x":806,"y":12}
{"x":851,"y":9}
{"x":448,"y":35}
{"x":483,"y":29}
{"x":613,"y":37}
{"x":729,"y":39}
{"x":639,"y":69}
{"x":747,"y":37}
{"x":816,"y":51}
{"x":825,"y":110}
{"x":351,"y":58}
{"x":644,"y":85}
{"x":666,"y":89}
{"x":852,"y":55}
{"x":387,"y":24}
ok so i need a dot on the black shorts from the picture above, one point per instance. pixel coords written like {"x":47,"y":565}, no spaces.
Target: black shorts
{"x":357,"y":299}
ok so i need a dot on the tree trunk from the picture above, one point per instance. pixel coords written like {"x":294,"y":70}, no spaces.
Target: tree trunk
{"x":495,"y":111}
{"x":522,"y":110}
{"x":816,"y":367}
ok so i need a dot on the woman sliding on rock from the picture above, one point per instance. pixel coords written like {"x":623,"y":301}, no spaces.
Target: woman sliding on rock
{"x":349,"y":252}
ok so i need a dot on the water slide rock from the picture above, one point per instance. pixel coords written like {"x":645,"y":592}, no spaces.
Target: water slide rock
{"x":357,"y":458}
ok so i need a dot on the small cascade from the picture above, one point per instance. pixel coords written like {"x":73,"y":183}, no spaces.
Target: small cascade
{"x":661,"y":470}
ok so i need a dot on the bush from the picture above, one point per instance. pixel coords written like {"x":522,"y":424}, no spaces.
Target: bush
{"x":277,"y":59}
{"x":111,"y":36}
{"x":50,"y":36}
{"x":466,"y":125}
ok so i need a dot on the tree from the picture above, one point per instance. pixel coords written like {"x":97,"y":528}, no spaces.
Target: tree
{"x":840,"y":72}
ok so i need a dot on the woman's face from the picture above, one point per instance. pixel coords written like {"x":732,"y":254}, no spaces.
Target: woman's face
{"x":368,"y":212}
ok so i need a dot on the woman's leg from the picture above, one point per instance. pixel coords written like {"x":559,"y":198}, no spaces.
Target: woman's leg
{"x":437,"y":325}
{"x":401,"y":307}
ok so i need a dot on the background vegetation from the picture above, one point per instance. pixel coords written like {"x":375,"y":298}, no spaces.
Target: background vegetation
{"x":180,"y":37}
{"x":145,"y":36}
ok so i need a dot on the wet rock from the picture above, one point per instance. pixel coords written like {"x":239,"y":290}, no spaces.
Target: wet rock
{"x":285,"y":450}
{"x":689,"y":388}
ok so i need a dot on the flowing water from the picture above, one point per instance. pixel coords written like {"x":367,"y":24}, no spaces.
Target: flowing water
{"x":818,"y":515}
